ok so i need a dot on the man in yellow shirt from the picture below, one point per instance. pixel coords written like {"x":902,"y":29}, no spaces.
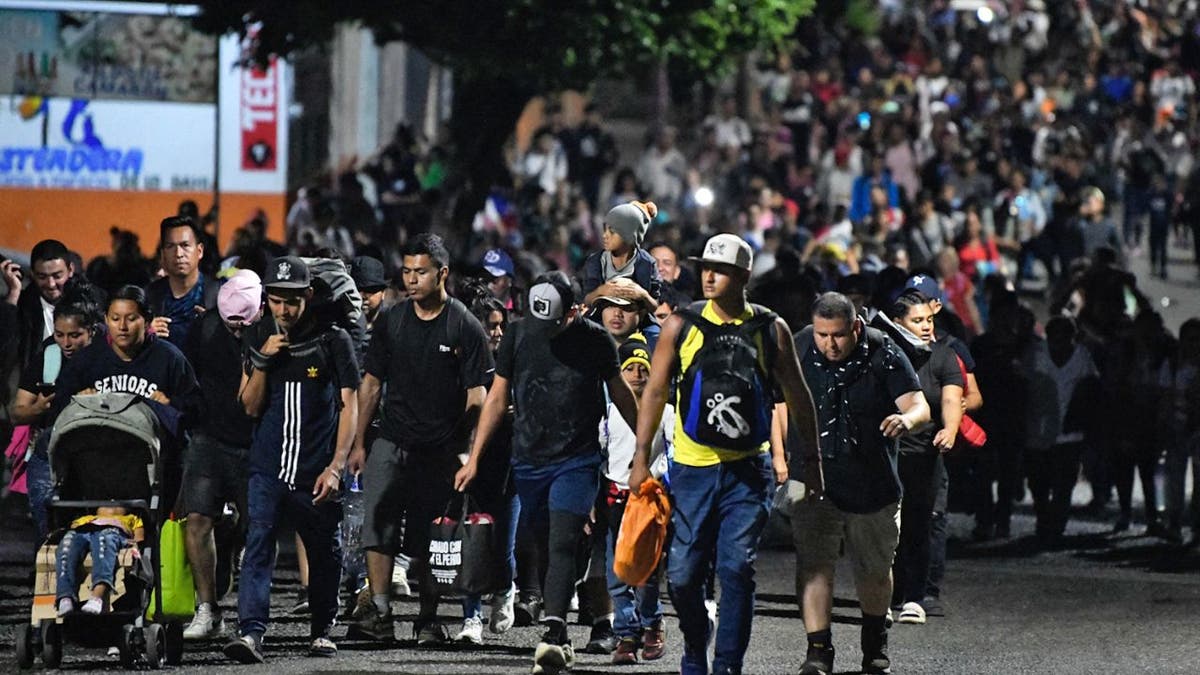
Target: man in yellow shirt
{"x":722,"y":472}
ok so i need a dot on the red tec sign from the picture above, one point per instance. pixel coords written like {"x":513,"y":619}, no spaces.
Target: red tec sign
{"x":259,"y":116}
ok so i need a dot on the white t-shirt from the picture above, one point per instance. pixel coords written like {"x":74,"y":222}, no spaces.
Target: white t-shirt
{"x":47,"y":318}
{"x":618,"y":441}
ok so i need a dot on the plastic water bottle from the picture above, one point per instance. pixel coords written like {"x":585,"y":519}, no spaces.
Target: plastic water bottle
{"x":353,"y":511}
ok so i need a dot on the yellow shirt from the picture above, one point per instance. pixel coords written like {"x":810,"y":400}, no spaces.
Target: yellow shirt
{"x":128,"y":523}
{"x":687,"y":451}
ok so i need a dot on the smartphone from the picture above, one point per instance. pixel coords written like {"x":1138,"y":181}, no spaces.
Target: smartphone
{"x":44,"y":388}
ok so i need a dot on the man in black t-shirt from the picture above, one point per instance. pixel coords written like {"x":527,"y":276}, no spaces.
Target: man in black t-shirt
{"x":867,"y":395}
{"x":554,"y":366}
{"x":214,"y":463}
{"x":432,"y":354}
{"x":299,"y":381}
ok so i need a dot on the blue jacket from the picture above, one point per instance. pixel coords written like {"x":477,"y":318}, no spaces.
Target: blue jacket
{"x":860,"y":195}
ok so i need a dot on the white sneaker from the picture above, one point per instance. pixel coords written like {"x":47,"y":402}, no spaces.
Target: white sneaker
{"x":911,"y":612}
{"x":400,"y":582}
{"x":472,"y":631}
{"x":502,"y":611}
{"x":66,"y":606}
{"x":207,"y":624}
{"x":93,"y":606}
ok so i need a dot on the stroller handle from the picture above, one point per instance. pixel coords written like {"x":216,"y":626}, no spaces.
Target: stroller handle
{"x":129,"y":504}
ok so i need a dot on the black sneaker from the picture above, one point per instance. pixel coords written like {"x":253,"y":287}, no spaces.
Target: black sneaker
{"x":875,"y":653}
{"x":373,"y":625}
{"x":301,"y":606}
{"x":602,"y":639}
{"x":244,"y":649}
{"x":818,"y":662}
{"x":431,"y":634}
{"x":527,"y":611}
{"x":933,"y":606}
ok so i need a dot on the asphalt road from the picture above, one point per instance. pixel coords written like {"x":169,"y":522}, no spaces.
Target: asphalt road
{"x":1098,"y":603}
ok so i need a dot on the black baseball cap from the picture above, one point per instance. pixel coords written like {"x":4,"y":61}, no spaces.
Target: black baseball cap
{"x":287,"y":272}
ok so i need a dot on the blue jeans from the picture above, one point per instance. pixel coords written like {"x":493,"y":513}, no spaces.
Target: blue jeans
{"x":104,"y":544}
{"x":634,"y":609}
{"x":723,"y":506}
{"x":39,"y":485}
{"x":270,"y":500}
{"x":506,"y":524}
{"x":556,"y":500}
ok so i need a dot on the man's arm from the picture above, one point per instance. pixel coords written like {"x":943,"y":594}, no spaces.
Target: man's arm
{"x":779,"y":431}
{"x":914,"y":412}
{"x":654,"y":399}
{"x":253,"y":392}
{"x":367,"y":402}
{"x":330,"y":480}
{"x":494,"y":408}
{"x":787,"y":373}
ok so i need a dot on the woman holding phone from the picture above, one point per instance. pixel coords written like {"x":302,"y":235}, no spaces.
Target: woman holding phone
{"x":77,"y":319}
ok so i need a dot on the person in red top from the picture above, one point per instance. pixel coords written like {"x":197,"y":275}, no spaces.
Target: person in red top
{"x":958,"y":289}
{"x":977,"y":252}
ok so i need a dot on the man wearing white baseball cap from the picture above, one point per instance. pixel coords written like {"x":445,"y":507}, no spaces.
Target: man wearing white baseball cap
{"x":726,"y":357}
{"x":214,"y":463}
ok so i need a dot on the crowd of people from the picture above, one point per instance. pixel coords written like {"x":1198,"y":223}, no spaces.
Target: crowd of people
{"x":911,"y":295}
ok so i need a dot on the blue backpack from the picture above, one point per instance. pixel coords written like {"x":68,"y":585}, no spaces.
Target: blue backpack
{"x":726,"y":393}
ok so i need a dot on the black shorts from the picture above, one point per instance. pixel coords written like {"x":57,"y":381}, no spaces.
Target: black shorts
{"x":214,"y":473}
{"x":400,"y":487}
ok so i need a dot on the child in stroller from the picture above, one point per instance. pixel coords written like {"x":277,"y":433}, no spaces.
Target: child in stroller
{"x":104,"y":534}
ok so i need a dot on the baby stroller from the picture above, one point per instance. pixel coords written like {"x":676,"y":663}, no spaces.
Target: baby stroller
{"x":107,"y":450}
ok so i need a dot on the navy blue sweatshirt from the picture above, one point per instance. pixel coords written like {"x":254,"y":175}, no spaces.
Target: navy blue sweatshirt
{"x":159,"y":366}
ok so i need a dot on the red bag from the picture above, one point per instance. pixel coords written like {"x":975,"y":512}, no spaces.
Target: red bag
{"x":643,"y":534}
{"x":970,"y":434}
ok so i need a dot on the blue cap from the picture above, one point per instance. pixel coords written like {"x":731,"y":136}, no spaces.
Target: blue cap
{"x":498,"y":263}
{"x":928,"y":286}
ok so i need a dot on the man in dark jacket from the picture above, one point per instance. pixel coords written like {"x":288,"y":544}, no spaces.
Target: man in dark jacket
{"x":180,"y":298}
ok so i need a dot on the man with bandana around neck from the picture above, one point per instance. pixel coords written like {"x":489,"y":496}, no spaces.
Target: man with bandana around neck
{"x":867,"y":396}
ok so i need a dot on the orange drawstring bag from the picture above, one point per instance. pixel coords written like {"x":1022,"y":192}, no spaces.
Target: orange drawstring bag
{"x":643,"y":534}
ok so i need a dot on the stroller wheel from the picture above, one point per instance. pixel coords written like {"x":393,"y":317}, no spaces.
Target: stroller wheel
{"x":174,"y":643}
{"x":52,"y":644}
{"x":25,"y":646}
{"x":156,"y":645}
{"x":126,"y":646}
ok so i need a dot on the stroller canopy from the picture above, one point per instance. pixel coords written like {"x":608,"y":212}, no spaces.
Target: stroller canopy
{"x":110,"y":441}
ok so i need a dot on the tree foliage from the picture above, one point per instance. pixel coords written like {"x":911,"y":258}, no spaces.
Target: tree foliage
{"x":504,"y":52}
{"x":545,"y":45}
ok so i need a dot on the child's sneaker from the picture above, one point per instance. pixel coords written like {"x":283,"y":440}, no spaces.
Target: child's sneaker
{"x":93,"y":606}
{"x":65,"y":606}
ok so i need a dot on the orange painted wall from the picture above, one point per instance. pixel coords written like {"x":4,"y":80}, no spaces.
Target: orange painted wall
{"x":81,"y":218}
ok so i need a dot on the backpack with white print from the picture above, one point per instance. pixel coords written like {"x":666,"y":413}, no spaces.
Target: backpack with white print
{"x":725,"y":395}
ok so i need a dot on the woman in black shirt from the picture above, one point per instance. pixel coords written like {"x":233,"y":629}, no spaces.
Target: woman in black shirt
{"x":911,"y":324}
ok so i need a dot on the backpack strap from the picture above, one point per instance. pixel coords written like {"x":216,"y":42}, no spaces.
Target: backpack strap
{"x":325,"y":344}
